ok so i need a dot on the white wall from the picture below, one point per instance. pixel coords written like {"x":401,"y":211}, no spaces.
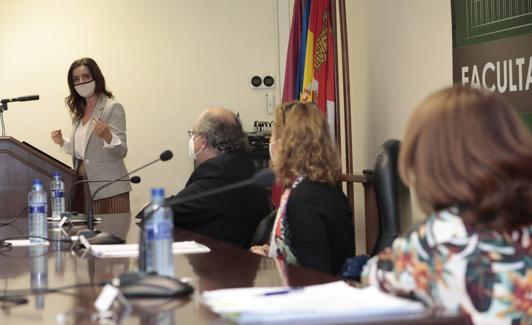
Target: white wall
{"x":399,"y":52}
{"x":167,"y":60}
{"x":164,"y":60}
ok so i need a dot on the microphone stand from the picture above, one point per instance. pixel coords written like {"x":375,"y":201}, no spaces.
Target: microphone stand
{"x":3,"y":107}
{"x":89,"y":181}
{"x":90,"y":215}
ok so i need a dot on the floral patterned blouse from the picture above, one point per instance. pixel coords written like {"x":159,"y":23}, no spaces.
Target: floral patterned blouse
{"x":485,"y":274}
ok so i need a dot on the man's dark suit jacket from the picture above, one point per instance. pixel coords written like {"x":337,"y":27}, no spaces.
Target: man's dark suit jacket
{"x":232,"y":216}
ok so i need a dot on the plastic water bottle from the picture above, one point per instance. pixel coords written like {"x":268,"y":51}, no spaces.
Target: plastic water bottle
{"x":57,"y":189}
{"x":158,"y":236}
{"x":39,"y":273}
{"x":38,"y":211}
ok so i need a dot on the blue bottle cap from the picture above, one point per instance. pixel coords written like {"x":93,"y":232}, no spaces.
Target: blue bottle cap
{"x":37,"y":181}
{"x":157,"y":192}
{"x":56,"y":174}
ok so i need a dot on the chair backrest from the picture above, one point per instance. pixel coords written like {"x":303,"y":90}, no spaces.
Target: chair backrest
{"x":264,"y":229}
{"x":393,"y":197}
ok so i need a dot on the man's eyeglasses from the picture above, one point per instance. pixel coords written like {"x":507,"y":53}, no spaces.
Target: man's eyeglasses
{"x":191,"y":133}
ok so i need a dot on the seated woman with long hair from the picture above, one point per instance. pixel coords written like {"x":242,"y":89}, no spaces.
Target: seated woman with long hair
{"x":313,"y":226}
{"x":468,"y":155}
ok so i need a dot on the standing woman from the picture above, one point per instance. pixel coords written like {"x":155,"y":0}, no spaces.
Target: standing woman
{"x":98,"y":142}
{"x":314,"y":225}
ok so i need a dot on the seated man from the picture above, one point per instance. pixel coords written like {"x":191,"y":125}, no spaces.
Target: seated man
{"x":218,"y":144}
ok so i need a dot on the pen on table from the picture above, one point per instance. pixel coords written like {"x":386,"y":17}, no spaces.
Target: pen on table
{"x":281,"y":292}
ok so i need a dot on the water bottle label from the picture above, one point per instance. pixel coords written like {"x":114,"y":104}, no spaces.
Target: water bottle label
{"x":159,"y":230}
{"x":57,"y":194}
{"x":37,"y":209}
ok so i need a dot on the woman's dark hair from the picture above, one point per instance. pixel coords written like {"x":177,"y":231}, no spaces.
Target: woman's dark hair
{"x":468,"y":147}
{"x":76,"y":104}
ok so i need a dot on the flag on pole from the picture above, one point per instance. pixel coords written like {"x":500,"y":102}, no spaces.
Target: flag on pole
{"x":295,"y":63}
{"x":310,"y":73}
{"x":318,"y":77}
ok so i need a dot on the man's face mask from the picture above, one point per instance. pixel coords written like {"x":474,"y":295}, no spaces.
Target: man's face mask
{"x":191,"y":152}
{"x":270,"y":145}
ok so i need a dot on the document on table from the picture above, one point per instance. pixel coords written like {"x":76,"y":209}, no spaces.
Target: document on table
{"x":26,"y":242}
{"x":335,"y":302}
{"x":132,"y":250}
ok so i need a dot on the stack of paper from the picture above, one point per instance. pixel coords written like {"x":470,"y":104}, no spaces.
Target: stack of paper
{"x":132,"y":250}
{"x":26,"y":242}
{"x":334,"y":302}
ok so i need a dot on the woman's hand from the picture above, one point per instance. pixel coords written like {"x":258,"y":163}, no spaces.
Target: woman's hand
{"x":261,"y":250}
{"x":101,"y":129}
{"x":57,"y":137}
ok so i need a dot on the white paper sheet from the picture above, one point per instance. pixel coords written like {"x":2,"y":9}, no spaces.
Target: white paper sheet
{"x":334,"y":302}
{"x":132,"y":250}
{"x":25,"y":242}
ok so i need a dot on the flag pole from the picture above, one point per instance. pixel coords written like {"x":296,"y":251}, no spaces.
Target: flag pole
{"x":347,"y":101}
{"x":337,"y":131}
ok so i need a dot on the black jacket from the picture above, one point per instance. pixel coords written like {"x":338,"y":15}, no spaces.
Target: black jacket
{"x":231,"y":216}
{"x":320,"y":226}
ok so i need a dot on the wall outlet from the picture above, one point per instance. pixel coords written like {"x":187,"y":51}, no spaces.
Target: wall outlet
{"x":270,"y":103}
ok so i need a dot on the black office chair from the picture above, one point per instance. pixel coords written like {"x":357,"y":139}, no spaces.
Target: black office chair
{"x":264,"y":229}
{"x":393,"y":197}
{"x":393,"y":204}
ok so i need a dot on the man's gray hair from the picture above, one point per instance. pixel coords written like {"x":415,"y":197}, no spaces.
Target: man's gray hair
{"x":223,"y":131}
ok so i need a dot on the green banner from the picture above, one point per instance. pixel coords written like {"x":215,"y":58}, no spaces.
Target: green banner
{"x":492,"y":42}
{"x":478,"y":21}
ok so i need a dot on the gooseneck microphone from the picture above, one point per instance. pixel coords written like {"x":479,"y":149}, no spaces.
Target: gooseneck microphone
{"x":24,"y":98}
{"x":164,"y":156}
{"x":17,"y":99}
{"x":263,"y":178}
{"x":134,"y":180}
{"x":3,"y":107}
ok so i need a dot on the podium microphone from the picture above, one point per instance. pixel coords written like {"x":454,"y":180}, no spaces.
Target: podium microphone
{"x":164,"y":156}
{"x":17,"y":99}
{"x":24,"y":98}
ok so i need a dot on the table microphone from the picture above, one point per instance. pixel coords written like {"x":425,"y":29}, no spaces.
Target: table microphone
{"x":164,"y":156}
{"x":263,"y":178}
{"x":134,"y":180}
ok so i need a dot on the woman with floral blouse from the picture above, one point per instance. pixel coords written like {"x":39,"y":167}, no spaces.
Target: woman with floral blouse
{"x":468,"y":155}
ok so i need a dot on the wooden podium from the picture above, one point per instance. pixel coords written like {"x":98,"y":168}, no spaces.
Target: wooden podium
{"x":20,"y":163}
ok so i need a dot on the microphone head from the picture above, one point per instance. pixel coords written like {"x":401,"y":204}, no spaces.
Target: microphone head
{"x":27,"y":98}
{"x":264,"y":178}
{"x":135,"y":179}
{"x":166,"y":155}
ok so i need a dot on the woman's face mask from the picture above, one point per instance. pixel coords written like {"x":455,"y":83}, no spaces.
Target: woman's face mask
{"x":84,"y":84}
{"x":87,"y":89}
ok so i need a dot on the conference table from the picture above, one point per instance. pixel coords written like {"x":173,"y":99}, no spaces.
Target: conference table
{"x":225,"y":266}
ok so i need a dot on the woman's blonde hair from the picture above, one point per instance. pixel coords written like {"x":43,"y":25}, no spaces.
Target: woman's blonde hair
{"x":468,"y":147}
{"x":304,"y":144}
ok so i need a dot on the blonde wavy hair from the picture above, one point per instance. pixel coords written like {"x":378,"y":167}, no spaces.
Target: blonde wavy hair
{"x":304,"y":145}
